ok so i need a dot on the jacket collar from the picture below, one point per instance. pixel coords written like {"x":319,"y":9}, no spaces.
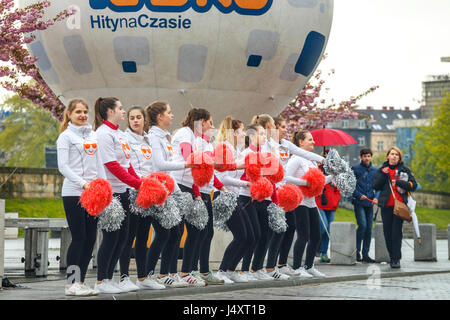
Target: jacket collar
{"x":80,"y":130}
{"x":159,"y":132}
{"x":136,"y":137}
{"x":109,"y":124}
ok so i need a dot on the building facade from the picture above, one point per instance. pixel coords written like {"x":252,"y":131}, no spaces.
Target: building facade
{"x":433,"y":89}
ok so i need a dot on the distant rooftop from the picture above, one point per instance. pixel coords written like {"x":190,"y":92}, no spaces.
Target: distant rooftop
{"x":438,"y":77}
{"x":382,"y":119}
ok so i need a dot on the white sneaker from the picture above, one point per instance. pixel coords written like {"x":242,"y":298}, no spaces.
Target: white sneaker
{"x":114,"y":284}
{"x":169,"y":281}
{"x":77,"y":290}
{"x":249,"y":276}
{"x":94,"y":292}
{"x":261,"y":275}
{"x":287,"y":270}
{"x":302,"y":273}
{"x":237,"y":277}
{"x":315,"y":273}
{"x":149,"y":284}
{"x":277,"y":275}
{"x":223,"y":276}
{"x":180,"y":283}
{"x":192,"y":281}
{"x":126,"y":285}
{"x":106,"y":287}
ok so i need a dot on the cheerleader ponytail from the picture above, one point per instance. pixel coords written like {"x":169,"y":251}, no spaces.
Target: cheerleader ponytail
{"x":153,"y":110}
{"x":102,"y":105}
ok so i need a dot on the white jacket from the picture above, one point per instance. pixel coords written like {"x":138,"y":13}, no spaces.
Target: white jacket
{"x":232,"y":179}
{"x":78,"y":158}
{"x":295,"y":169}
{"x":141,"y":153}
{"x":163,"y":152}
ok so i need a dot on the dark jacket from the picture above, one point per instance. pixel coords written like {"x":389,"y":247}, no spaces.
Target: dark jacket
{"x":381,"y":182}
{"x":364,"y":182}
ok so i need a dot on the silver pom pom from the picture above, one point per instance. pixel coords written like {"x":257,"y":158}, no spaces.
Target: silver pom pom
{"x":198,"y":216}
{"x":134,"y":208}
{"x":184,"y":201}
{"x":111,"y":218}
{"x":343,"y":175}
{"x":169,"y":216}
{"x":222,"y":209}
{"x":346,"y":183}
{"x":277,"y":218}
{"x":334,"y":165}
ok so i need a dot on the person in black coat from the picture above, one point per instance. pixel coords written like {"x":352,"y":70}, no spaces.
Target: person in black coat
{"x":392,"y":171}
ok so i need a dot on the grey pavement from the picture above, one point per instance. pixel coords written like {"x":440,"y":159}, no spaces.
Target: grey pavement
{"x":415,"y":280}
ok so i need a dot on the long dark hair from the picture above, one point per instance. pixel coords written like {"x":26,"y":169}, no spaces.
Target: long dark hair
{"x":195,"y":114}
{"x":102,"y":105}
{"x":143,"y":114}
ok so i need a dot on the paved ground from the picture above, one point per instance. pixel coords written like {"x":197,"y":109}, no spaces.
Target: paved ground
{"x":415,"y":280}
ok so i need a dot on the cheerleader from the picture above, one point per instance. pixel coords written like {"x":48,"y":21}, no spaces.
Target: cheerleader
{"x":256,"y":214}
{"x":142,"y":162}
{"x":160,"y":117}
{"x":194,"y":137}
{"x":232,"y":134}
{"x":79,"y":163}
{"x":306,"y":215}
{"x":115,"y":154}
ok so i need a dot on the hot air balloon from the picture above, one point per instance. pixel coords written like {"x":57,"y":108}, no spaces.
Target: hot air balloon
{"x":237,"y":57}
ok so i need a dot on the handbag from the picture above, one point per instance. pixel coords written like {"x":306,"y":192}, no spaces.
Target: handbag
{"x":401,"y":210}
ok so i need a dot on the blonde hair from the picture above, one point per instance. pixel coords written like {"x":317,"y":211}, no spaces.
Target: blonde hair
{"x":262,"y":120}
{"x":398,"y":151}
{"x":228,"y":124}
{"x":70,"y":108}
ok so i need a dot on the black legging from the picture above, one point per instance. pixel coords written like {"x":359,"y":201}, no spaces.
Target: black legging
{"x":193,"y":234}
{"x":158,"y":244}
{"x":288,"y":237}
{"x":274,"y":248}
{"x":83,"y":228}
{"x":169,"y":254}
{"x":308,"y":231}
{"x":113,"y":243}
{"x":253,"y":225}
{"x":241,"y":240}
{"x":393,"y":233}
{"x":203,"y":246}
{"x":262,"y":244}
{"x":124,"y":261}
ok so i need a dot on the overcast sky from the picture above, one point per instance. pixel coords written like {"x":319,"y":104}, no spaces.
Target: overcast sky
{"x":391,"y":43}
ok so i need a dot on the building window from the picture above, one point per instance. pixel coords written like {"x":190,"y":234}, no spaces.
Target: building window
{"x":344,"y":124}
{"x":362,"y":124}
{"x":362,"y":141}
{"x":329,"y":125}
{"x":380,"y":146}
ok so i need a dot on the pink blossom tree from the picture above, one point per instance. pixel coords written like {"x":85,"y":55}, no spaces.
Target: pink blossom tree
{"x":309,"y":111}
{"x":19,"y":73}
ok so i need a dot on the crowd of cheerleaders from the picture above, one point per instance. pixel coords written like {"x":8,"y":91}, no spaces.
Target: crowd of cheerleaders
{"x":122,"y":183}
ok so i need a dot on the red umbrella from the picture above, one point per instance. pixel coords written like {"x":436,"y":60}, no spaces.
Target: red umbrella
{"x":330,"y":137}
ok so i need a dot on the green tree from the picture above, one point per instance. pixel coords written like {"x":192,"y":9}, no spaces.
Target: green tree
{"x":27,"y":131}
{"x":430,"y":164}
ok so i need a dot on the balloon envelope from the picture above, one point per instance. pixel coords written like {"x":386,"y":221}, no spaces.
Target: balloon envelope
{"x":232,"y":57}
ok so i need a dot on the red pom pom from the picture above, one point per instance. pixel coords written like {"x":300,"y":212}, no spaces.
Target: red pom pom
{"x":317,"y":180}
{"x":289,"y":197}
{"x":253,"y":166}
{"x":97,"y":197}
{"x":261,"y":189}
{"x":224,"y":157}
{"x":150,"y":193}
{"x":272,"y":168}
{"x":204,"y":170}
{"x":165,"y":179}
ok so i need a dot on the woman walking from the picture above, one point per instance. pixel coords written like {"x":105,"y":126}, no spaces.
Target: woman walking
{"x":393,"y":178}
